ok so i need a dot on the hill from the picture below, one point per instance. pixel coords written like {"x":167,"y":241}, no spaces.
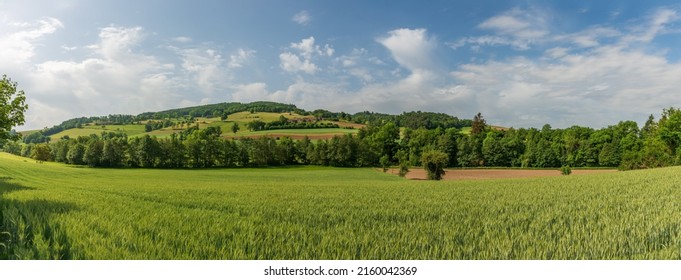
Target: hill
{"x":286,"y":119}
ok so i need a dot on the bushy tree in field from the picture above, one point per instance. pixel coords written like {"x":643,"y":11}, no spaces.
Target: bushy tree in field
{"x":403,"y":159}
{"x":41,"y":152}
{"x":434,"y":162}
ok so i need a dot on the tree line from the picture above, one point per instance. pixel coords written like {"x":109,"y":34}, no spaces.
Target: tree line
{"x":625,"y":145}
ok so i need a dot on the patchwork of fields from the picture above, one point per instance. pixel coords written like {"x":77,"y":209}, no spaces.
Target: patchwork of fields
{"x":241,"y":118}
{"x":57,"y":211}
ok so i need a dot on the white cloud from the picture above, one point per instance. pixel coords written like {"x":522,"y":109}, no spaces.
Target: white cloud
{"x":292,"y":63}
{"x":657,"y":23}
{"x":593,"y":89}
{"x":117,"y":78}
{"x":182,"y":39}
{"x":307,"y":48}
{"x":206,"y":67}
{"x":18,"y":46}
{"x":307,"y":51}
{"x":250,"y":92}
{"x":117,"y":42}
{"x":519,"y":24}
{"x":302,"y":18}
{"x":240,"y":58}
{"x":411,"y":48}
{"x":591,"y":37}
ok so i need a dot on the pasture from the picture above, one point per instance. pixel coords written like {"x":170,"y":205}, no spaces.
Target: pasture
{"x":56,"y":211}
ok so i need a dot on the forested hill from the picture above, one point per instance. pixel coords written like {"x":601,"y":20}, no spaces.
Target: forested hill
{"x":412,"y":120}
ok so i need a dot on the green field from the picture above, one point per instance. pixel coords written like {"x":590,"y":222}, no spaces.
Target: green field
{"x":57,"y":211}
{"x":129,"y":129}
{"x":242,"y":118}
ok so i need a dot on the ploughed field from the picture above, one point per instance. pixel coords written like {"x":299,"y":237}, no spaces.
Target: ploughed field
{"x":51,"y":210}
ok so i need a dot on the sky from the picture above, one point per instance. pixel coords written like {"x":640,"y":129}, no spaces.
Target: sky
{"x":520,"y":63}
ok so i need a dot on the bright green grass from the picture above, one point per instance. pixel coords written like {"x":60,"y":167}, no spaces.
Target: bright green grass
{"x":130,"y":129}
{"x":262,"y":116}
{"x":312,"y":131}
{"x":333,"y":213}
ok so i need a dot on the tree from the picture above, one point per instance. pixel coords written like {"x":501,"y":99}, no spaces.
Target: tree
{"x":479,"y":125}
{"x":433,"y":162}
{"x":403,"y":159}
{"x":12,"y":108}
{"x":41,"y":152}
{"x":385,"y":162}
{"x":235,"y":128}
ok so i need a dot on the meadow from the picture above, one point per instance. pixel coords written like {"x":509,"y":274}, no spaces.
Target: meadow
{"x":50,"y":210}
{"x":240,"y":118}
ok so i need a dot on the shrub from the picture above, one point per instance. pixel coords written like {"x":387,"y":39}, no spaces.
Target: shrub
{"x":565,"y":170}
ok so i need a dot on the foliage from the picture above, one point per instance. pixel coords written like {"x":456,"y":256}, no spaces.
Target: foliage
{"x":434,"y":162}
{"x":12,"y":108}
{"x":235,"y":128}
{"x":385,"y":162}
{"x":403,"y":159}
{"x":41,"y":152}
{"x":565,"y":170}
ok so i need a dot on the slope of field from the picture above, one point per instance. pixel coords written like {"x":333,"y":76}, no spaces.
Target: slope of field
{"x":333,"y":213}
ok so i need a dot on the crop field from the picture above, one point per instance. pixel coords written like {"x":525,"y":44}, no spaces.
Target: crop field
{"x":50,"y":210}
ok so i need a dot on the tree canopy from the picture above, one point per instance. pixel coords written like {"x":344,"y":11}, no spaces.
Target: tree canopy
{"x":12,"y":107}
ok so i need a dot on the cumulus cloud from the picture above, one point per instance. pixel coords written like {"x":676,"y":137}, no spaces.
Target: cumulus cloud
{"x":302,"y":18}
{"x":411,"y":48}
{"x":116,"y":77}
{"x":292,"y":63}
{"x":206,"y":67}
{"x":604,"y":77}
{"x":307,"y":51}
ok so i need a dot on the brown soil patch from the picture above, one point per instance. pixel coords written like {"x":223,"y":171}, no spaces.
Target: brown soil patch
{"x":474,"y":174}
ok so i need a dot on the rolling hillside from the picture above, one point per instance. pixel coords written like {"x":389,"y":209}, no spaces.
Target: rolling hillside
{"x":317,"y":124}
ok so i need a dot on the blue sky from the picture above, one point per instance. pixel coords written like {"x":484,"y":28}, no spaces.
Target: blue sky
{"x":520,"y":63}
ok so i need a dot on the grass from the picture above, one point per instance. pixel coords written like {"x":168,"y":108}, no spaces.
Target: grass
{"x":242,"y":118}
{"x":130,"y":129}
{"x":246,"y":117}
{"x":334,"y":213}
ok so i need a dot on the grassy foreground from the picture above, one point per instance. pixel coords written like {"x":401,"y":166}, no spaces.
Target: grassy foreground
{"x":56,"y":211}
